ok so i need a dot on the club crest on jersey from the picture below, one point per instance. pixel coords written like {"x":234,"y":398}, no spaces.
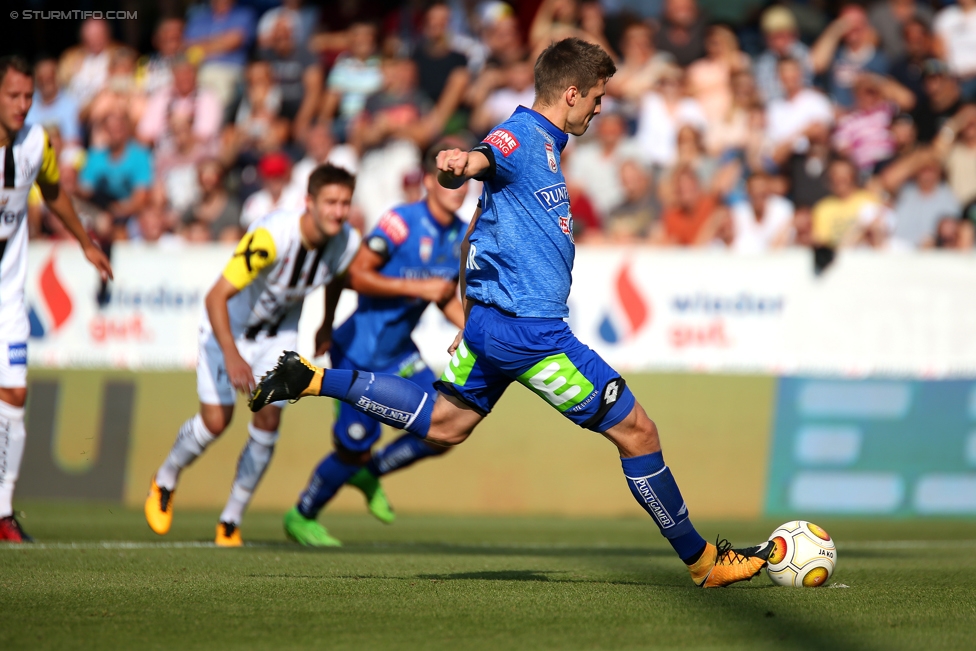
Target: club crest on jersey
{"x":503,"y":140}
{"x":551,"y":156}
{"x":426,"y":248}
{"x":395,"y":228}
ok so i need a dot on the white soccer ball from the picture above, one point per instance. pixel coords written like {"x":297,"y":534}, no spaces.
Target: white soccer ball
{"x":803,"y":556}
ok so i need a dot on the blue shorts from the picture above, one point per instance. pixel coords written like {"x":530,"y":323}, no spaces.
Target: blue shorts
{"x":354,"y":430}
{"x":546,"y":357}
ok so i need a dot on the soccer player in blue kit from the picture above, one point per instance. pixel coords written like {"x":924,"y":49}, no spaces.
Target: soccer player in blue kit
{"x":518,"y":261}
{"x":411,"y":259}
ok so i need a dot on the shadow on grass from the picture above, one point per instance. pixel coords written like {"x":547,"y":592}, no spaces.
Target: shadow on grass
{"x":490,"y":575}
{"x":447,"y":549}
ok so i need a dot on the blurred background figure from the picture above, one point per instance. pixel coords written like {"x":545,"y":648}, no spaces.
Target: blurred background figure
{"x":889,"y":19}
{"x":691,"y":217}
{"x":83,"y":69}
{"x":184,"y":101}
{"x":216,"y":208}
{"x":53,"y":106}
{"x":955,"y":30}
{"x":846,"y":48}
{"x":633,"y":218}
{"x":117,"y":178}
{"x":296,"y":72}
{"x":640,"y":67}
{"x":156,"y":69}
{"x":355,"y":75}
{"x":663,"y":112}
{"x":710,"y":78}
{"x":219,"y":35}
{"x":596,"y":164}
{"x":274,"y":171}
{"x":763,"y":221}
{"x":682,"y":31}
{"x":849,"y":215}
{"x":782,"y":42}
{"x":517,"y":89}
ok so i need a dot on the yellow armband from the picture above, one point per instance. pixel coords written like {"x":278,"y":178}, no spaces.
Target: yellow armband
{"x":48,"y":174}
{"x":256,"y":251}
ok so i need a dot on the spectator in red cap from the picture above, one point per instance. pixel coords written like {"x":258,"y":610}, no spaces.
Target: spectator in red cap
{"x":274,"y":169}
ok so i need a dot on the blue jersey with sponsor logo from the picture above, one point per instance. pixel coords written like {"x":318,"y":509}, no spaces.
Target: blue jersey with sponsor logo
{"x":522,"y":250}
{"x":415,"y":246}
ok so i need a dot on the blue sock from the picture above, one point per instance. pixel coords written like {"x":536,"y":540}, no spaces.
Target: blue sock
{"x":654,"y":488}
{"x":329,"y":477}
{"x":403,"y":452}
{"x":390,"y":399}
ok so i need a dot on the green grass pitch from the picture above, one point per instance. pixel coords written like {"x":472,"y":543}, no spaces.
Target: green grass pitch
{"x":99,"y":579}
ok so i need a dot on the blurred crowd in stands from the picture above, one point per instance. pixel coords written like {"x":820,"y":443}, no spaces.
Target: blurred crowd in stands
{"x":727,"y":124}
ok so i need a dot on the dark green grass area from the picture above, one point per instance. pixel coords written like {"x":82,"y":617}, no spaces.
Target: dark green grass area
{"x":467,"y":583}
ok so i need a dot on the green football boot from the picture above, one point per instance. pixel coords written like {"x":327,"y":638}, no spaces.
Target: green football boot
{"x":307,"y":532}
{"x":376,"y":500}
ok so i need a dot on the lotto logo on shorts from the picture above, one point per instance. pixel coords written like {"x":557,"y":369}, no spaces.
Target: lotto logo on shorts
{"x":17,"y":354}
{"x":505,"y":141}
{"x":395,"y":228}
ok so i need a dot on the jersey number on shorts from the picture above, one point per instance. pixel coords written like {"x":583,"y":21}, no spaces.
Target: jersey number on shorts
{"x":558,"y":380}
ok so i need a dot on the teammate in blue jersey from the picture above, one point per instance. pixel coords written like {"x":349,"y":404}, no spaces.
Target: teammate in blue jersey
{"x":518,"y":261}
{"x":411,"y":259}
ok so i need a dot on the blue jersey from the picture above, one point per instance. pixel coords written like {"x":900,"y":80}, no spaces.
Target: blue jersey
{"x":415,"y":246}
{"x":522,"y":250}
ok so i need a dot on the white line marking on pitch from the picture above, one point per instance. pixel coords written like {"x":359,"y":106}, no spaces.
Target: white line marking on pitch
{"x":123,"y":545}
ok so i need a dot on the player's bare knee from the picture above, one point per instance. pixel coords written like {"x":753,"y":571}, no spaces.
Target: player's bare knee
{"x":14,"y":396}
{"x":216,"y":418}
{"x":268,"y":419}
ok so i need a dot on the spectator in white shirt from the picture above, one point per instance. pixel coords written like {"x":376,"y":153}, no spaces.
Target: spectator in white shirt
{"x":662,"y":114}
{"x":595,"y":164}
{"x":955,"y":31}
{"x":787,"y":119}
{"x":763,"y":221}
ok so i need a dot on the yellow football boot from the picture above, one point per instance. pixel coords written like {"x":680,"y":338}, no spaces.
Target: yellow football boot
{"x":720,"y":565}
{"x":159,"y":508}
{"x":228,"y":535}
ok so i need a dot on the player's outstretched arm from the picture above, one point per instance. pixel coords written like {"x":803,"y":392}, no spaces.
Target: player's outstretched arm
{"x":60,"y":204}
{"x":365,"y":278}
{"x":455,"y":166}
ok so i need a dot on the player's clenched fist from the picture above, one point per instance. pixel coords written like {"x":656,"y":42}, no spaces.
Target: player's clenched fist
{"x":451,"y":164}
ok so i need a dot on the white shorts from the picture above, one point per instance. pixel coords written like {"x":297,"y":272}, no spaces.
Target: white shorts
{"x":13,"y":365}
{"x":213,"y":385}
{"x":14,"y":330}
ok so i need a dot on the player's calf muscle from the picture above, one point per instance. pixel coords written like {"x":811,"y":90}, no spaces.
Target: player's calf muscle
{"x":452,"y":422}
{"x":636,"y":434}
